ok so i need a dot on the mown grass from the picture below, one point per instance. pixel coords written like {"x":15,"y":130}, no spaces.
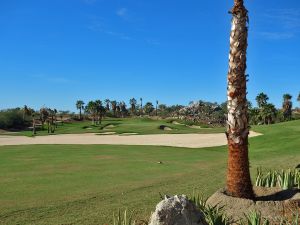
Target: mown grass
{"x":123,"y":125}
{"x":71,"y":184}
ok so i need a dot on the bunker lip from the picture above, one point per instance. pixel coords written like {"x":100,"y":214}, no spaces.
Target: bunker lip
{"x":172,"y":140}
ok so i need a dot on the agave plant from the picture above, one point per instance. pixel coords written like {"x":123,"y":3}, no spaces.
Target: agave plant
{"x":255,"y":218}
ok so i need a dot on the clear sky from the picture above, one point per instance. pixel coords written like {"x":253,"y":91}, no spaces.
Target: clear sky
{"x":53,"y":52}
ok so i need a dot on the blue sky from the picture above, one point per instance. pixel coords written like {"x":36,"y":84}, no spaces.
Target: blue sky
{"x":57,"y":51}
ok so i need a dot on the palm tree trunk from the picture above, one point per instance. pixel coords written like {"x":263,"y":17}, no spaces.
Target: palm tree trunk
{"x":238,"y":174}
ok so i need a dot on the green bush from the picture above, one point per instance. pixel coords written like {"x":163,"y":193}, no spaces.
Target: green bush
{"x":13,"y":119}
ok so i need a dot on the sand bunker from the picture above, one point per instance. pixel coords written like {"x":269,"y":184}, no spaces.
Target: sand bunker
{"x":176,"y":123}
{"x":109,"y":126}
{"x":195,"y":127}
{"x":175,"y":140}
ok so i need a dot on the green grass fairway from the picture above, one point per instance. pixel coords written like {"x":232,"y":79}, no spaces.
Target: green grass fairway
{"x":126,"y":125}
{"x":69,"y":184}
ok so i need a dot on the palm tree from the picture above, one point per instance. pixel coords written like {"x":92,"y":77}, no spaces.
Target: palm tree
{"x":80,"y":106}
{"x":238,"y":174}
{"x":114,"y":107}
{"x":123,"y":109}
{"x":107,"y":102}
{"x":287,"y":106}
{"x":132,"y":103}
{"x":298,"y":98}
{"x":100,"y":111}
{"x":141,"y":107}
{"x":148,"y":108}
{"x":262,"y":99}
{"x":268,"y":114}
{"x":118,"y":109}
{"x":91,"y":108}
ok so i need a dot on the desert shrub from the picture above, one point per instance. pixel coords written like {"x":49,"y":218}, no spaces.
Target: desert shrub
{"x":12,"y":119}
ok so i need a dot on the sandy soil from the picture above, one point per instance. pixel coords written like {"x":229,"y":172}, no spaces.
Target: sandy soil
{"x":175,"y":140}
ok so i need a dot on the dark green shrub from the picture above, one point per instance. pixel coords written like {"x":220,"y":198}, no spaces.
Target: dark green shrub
{"x":13,"y":119}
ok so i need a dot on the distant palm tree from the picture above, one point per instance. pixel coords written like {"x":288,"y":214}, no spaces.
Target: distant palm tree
{"x":268,"y":113}
{"x":100,"y":111}
{"x":141,"y":106}
{"x":118,"y":109}
{"x":148,"y":108}
{"x":287,"y":106}
{"x":132,"y":103}
{"x":123,"y":109}
{"x":238,"y":174}
{"x":114,"y":107}
{"x":91,"y":108}
{"x":261,"y":99}
{"x":107,"y":102}
{"x":298,"y":98}
{"x":80,"y":106}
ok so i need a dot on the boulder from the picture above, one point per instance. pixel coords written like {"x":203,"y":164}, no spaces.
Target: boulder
{"x":177,"y":210}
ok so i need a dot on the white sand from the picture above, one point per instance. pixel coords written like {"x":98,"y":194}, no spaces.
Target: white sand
{"x":175,"y":140}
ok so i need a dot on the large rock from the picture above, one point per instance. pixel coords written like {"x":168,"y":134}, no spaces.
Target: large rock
{"x":177,"y":210}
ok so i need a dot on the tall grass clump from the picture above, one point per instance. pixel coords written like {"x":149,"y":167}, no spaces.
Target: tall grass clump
{"x":123,"y":218}
{"x":285,"y":179}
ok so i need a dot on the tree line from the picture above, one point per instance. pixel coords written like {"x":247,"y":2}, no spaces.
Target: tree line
{"x":199,"y":111}
{"x":196,"y":112}
{"x":111,"y":108}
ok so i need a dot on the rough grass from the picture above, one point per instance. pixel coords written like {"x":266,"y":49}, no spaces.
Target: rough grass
{"x":126,"y":125}
{"x":69,"y":184}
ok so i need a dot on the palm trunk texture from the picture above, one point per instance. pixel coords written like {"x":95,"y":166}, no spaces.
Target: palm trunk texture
{"x":238,"y":174}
